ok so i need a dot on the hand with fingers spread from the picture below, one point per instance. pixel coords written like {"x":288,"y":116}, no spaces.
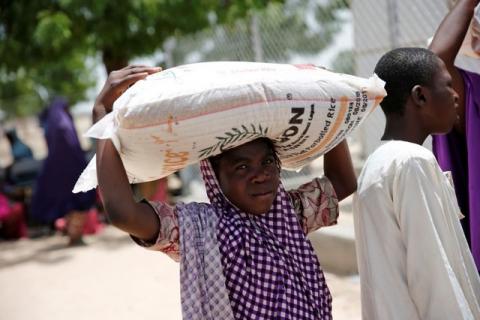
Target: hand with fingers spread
{"x":117,"y":83}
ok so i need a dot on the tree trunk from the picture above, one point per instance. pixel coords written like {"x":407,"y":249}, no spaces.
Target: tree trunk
{"x":113,"y":60}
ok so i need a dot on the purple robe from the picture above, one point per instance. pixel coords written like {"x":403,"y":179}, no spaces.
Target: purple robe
{"x":461,"y":155}
{"x":53,"y":197}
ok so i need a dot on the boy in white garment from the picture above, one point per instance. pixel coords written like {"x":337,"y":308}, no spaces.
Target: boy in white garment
{"x":413,"y":258}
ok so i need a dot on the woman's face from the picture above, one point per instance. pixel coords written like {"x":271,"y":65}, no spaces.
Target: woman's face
{"x":249,"y":176}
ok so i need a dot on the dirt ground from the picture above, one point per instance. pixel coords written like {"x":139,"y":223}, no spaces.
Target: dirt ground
{"x":109,"y":278}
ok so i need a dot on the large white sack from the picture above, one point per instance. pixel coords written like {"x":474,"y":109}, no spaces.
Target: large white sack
{"x":182,"y":115}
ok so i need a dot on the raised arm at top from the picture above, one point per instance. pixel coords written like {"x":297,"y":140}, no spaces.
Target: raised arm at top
{"x":450,"y":34}
{"x":447,"y":42}
{"x":138,"y":219}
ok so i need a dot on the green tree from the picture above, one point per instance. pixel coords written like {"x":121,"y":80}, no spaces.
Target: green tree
{"x":45,"y":45}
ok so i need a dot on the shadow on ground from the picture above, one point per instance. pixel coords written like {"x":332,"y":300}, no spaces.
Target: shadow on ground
{"x":54,"y":249}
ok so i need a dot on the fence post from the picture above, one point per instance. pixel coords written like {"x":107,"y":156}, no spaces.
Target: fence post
{"x":256,"y":37}
{"x":394,"y":32}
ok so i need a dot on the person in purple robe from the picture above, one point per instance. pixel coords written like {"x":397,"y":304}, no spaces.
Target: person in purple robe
{"x":53,"y":197}
{"x":459,"y":150}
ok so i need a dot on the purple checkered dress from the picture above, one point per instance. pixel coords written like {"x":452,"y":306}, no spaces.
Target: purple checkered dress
{"x":270,"y":268}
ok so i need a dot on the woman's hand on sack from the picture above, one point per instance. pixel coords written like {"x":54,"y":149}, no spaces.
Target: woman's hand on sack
{"x":117,"y":83}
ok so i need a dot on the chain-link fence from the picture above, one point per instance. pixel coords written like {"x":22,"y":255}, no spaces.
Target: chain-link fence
{"x":345,"y":36}
{"x":381,"y":25}
{"x":303,"y":31}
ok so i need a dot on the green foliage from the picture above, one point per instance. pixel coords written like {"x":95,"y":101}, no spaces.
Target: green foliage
{"x":53,"y":28}
{"x":45,"y":44}
{"x":19,"y":90}
{"x":27,"y":91}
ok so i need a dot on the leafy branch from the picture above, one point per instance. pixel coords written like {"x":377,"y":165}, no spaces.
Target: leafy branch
{"x":234,"y":136}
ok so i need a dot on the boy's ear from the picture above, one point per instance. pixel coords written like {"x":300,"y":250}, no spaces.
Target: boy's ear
{"x":419,"y":95}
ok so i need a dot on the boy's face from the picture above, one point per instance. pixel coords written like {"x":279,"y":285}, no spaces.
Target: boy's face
{"x":440,"y":115}
{"x":249,"y":176}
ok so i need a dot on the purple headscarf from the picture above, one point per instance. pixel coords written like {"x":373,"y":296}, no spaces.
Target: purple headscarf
{"x":461,"y":155}
{"x":53,"y":197}
{"x":270,"y":267}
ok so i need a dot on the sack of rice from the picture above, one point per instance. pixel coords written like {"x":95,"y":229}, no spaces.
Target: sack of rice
{"x":185,"y":114}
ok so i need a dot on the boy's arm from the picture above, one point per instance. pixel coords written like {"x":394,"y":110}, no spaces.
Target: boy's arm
{"x":426,"y":216}
{"x":447,"y":42}
{"x":338,"y":168}
{"x":138,"y":219}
